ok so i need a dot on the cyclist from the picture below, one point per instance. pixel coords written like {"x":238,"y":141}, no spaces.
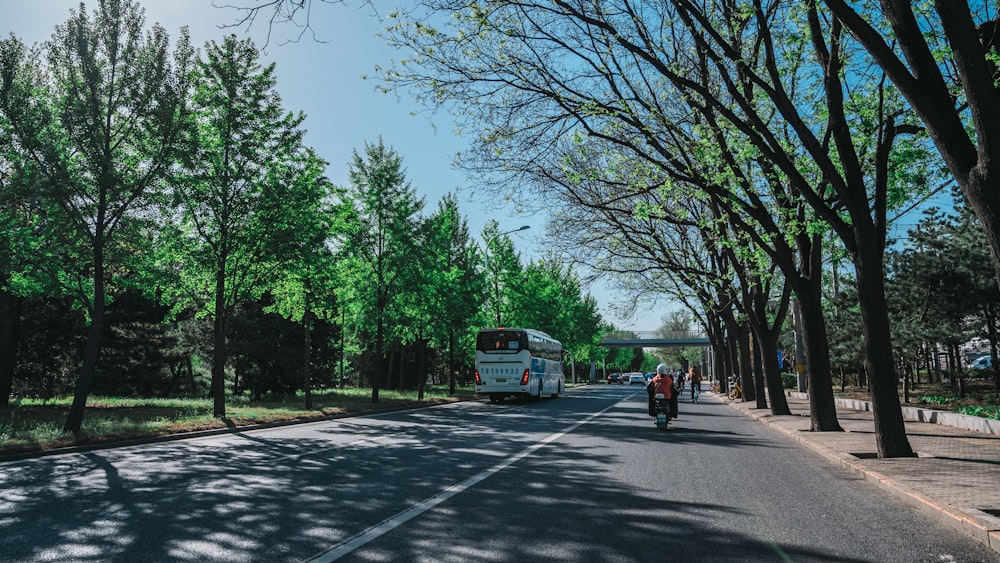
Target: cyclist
{"x":694,"y":375}
{"x":662,"y":382}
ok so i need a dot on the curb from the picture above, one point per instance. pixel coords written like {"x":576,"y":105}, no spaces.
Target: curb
{"x":948,"y":515}
{"x":920,"y":414}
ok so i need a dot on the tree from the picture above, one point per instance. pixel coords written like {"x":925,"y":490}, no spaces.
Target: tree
{"x":677,"y":322}
{"x":942,"y":284}
{"x":232,"y":189}
{"x":503,"y":270}
{"x":944,"y":60}
{"x":381,"y":243}
{"x":103,"y":125}
{"x":306,"y":290}
{"x":456,"y":292}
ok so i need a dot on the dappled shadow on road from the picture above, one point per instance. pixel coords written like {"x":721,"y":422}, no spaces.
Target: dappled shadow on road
{"x":599,"y":517}
{"x":277,"y":496}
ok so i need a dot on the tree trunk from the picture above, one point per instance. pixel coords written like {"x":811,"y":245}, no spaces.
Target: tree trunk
{"x":991,"y":331}
{"x":451,"y":361}
{"x":772,"y":373}
{"x":379,"y":358}
{"x":395,"y":359}
{"x":219,"y":353}
{"x":92,"y":349}
{"x":10,"y":318}
{"x":421,"y":367}
{"x":760,"y":388}
{"x":822,"y":402}
{"x":890,"y":432}
{"x":732,"y":354}
{"x":307,"y":360}
{"x":176,"y":372}
{"x":746,"y":362}
{"x":190,"y":373}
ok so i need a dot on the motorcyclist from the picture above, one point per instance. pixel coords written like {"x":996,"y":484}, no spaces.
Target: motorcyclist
{"x":662,"y":382}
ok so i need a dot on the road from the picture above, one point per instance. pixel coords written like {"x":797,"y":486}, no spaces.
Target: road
{"x":585,"y":477}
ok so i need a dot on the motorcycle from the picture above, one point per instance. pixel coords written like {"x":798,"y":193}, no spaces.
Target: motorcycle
{"x":661,"y":407}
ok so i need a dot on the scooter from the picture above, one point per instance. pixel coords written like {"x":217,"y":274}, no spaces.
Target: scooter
{"x":661,"y":406}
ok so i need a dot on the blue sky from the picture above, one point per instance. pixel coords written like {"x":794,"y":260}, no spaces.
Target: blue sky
{"x":324,"y":80}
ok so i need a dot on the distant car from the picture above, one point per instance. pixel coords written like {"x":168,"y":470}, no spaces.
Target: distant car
{"x":649,"y":376}
{"x":614,"y":377}
{"x":982,"y":362}
{"x":633,"y":377}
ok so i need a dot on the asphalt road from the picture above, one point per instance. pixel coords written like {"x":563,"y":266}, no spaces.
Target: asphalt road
{"x":585,"y":477}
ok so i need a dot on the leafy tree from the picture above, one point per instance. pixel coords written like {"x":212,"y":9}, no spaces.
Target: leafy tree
{"x":944,"y":56}
{"x":103,"y":125}
{"x":233,"y":189}
{"x":306,"y":290}
{"x":503,"y":272}
{"x":676,"y":322}
{"x":381,"y":244}
{"x":21,"y":241}
{"x":455,"y":291}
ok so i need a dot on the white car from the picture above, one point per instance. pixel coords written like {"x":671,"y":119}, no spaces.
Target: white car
{"x":634,"y":378}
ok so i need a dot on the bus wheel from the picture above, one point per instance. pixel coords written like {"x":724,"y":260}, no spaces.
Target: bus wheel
{"x":558,"y":390}
{"x":541,"y":387}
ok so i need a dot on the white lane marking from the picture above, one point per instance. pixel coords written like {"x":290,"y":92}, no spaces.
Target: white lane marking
{"x":361,"y":538}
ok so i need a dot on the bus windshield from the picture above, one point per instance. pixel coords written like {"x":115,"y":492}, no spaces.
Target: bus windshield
{"x":500,"y":341}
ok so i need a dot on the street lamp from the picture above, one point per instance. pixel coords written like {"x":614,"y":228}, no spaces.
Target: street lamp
{"x":486,"y":255}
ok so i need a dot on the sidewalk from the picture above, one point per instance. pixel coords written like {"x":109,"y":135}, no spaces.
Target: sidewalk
{"x":955,"y":479}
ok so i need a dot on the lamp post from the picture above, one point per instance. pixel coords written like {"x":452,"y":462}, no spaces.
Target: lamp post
{"x":486,"y":255}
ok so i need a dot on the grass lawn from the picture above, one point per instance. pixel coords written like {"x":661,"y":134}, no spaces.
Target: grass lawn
{"x":31,"y":425}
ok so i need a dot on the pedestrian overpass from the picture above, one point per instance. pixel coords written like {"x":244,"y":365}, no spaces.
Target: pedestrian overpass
{"x":654,"y":339}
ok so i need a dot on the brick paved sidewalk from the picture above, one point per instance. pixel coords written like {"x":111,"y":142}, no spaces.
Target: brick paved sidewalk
{"x":956,"y":477}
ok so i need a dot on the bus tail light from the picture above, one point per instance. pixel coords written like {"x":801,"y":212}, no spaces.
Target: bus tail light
{"x":524,"y":378}
{"x":478,"y":380}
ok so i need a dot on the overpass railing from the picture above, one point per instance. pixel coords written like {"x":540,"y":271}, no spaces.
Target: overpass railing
{"x":655,"y":335}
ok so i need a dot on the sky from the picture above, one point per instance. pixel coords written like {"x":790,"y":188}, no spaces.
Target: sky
{"x":324,"y":79}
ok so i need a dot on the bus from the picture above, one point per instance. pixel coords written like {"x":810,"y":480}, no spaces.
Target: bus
{"x":518,"y":362}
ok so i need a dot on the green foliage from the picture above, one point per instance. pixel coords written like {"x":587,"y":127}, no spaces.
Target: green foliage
{"x":251,"y":247}
{"x":941,"y":284}
{"x":980,"y":411}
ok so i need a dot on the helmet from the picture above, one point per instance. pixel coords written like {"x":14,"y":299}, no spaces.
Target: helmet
{"x":661,"y":369}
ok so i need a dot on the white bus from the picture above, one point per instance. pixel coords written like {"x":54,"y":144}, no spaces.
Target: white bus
{"x":518,"y":362}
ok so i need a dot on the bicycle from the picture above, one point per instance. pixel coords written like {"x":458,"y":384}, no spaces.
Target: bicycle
{"x":735,"y":391}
